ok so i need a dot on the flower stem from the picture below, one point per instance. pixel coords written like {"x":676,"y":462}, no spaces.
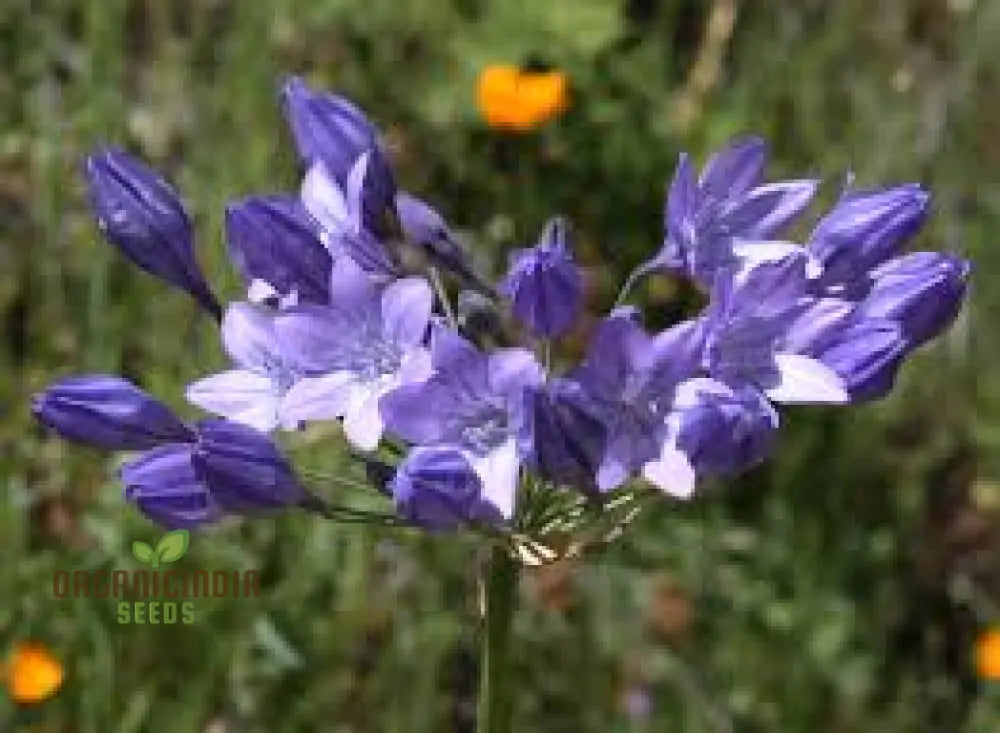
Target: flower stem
{"x":495,"y":700}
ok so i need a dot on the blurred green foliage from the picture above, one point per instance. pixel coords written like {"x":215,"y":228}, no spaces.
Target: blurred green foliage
{"x":838,"y":588}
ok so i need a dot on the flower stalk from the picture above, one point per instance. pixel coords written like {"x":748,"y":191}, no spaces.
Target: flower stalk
{"x":496,"y":703}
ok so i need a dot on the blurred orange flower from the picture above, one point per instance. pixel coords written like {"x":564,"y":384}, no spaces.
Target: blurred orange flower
{"x":32,"y":674}
{"x":988,"y":655}
{"x":512,"y":99}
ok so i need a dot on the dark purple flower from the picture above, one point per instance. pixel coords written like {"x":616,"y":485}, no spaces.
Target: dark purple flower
{"x":273,"y":244}
{"x":627,"y":380}
{"x":164,"y":484}
{"x":437,"y":488}
{"x":863,"y":230}
{"x":713,"y":430}
{"x":727,"y":214}
{"x":427,"y":229}
{"x":545,"y":285}
{"x":922,"y":292}
{"x":243,"y":468}
{"x":107,"y":412}
{"x":331,"y":130}
{"x":561,"y":439}
{"x":472,"y":402}
{"x":141,"y":214}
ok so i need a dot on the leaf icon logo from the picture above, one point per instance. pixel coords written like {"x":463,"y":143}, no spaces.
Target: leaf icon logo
{"x":170,"y":548}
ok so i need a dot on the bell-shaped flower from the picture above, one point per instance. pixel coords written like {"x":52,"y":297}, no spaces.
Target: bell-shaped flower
{"x":253,"y":392}
{"x":436,"y":488}
{"x":426,"y":228}
{"x":545,"y":285}
{"x":473,"y":402}
{"x":337,"y":210}
{"x":273,"y":244}
{"x":365,"y":344}
{"x":709,"y":221}
{"x":142,"y":215}
{"x":863,"y":230}
{"x":627,"y":381}
{"x":330,"y":130}
{"x":866,"y":356}
{"x":712,"y":430}
{"x":108,"y":412}
{"x":745,"y":328}
{"x":923,"y":292}
{"x":164,"y":484}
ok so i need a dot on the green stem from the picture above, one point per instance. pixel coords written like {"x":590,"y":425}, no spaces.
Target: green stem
{"x":495,"y":700}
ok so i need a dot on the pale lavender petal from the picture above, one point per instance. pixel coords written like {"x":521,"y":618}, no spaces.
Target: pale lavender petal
{"x":248,"y":336}
{"x":318,"y":398}
{"x":239,"y":395}
{"x":498,"y":471}
{"x":406,"y":311}
{"x":803,"y":379}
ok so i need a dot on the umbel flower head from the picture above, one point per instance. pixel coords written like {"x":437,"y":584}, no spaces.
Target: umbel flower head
{"x":459,"y":416}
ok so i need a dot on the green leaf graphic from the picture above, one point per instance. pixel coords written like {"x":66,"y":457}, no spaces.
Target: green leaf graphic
{"x":142,"y":552}
{"x":172,"y":545}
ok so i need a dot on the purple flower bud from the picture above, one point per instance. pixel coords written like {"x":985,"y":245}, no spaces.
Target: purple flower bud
{"x":545,"y":285}
{"x":243,"y":468}
{"x":107,"y":412}
{"x":864,"y":229}
{"x":329,"y":129}
{"x":560,"y":438}
{"x":141,"y":214}
{"x":437,"y":488}
{"x":866,"y":356}
{"x":165,"y":485}
{"x":426,"y":228}
{"x":271,"y":240}
{"x":922,"y":292}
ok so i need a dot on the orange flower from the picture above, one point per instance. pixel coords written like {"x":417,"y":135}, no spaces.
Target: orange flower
{"x":512,"y":99}
{"x":988,"y":655}
{"x":32,"y":674}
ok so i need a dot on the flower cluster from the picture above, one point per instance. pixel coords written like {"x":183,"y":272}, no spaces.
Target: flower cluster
{"x":460,"y":425}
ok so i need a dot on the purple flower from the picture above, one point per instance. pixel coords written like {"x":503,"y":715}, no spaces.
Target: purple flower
{"x":273,"y":244}
{"x":141,"y":214}
{"x":627,"y":380}
{"x":337,"y":210}
{"x":746,"y":328}
{"x":253,"y":393}
{"x":365,"y":344}
{"x":561,"y":439}
{"x":436,"y":488}
{"x":863,"y":230}
{"x":544,"y":284}
{"x":727,"y":214}
{"x":165,"y":486}
{"x":472,"y":402}
{"x":427,"y":229}
{"x":922,"y":292}
{"x":107,"y":412}
{"x":713,"y":430}
{"x":243,"y":468}
{"x":330,"y":130}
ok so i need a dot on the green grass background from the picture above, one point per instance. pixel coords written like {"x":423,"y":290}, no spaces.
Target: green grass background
{"x":838,"y":588}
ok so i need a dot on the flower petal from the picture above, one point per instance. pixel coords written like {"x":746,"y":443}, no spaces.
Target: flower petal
{"x":242,"y":396}
{"x":803,"y":379}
